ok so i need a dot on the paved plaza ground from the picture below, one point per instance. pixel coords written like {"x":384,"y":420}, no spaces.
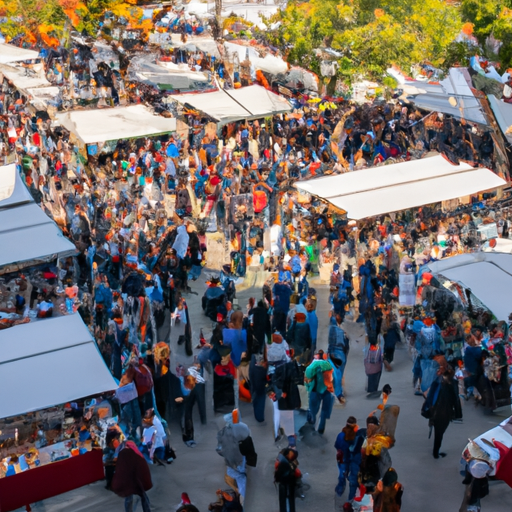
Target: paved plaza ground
{"x":430,"y":485}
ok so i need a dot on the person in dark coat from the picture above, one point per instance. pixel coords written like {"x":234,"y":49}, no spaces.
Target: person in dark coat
{"x":261,"y":327}
{"x":132,"y":477}
{"x":299,"y":338}
{"x":444,"y":403}
{"x":286,"y":475}
{"x":258,"y":381}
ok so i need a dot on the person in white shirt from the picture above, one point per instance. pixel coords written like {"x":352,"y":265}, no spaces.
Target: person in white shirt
{"x":153,"y":438}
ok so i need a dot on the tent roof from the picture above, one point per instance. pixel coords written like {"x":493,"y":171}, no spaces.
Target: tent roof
{"x":23,"y":78}
{"x":396,"y":187}
{"x":454,"y":85}
{"x":50,"y":362}
{"x":11,"y":53}
{"x":251,"y":102}
{"x":503,"y":113}
{"x":27,"y":235}
{"x":101,"y":125}
{"x":12,"y":188}
{"x":487,"y":274}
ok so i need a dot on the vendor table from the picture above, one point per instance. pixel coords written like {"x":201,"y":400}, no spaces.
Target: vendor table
{"x":46,"y":481}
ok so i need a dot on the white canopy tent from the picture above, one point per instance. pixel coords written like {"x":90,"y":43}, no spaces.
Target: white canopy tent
{"x":10,"y":53}
{"x":396,"y":187}
{"x":50,"y":362}
{"x":102,"y":125}
{"x":487,"y":274}
{"x":251,"y":102}
{"x":25,"y":78}
{"x":27,"y":235}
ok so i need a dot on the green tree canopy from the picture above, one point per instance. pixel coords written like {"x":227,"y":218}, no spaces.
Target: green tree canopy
{"x":371,"y":34}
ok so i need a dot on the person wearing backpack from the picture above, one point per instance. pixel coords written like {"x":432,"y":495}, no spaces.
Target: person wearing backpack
{"x":286,"y":474}
{"x":144,"y":383}
{"x":373,"y":366}
{"x":319,"y":384}
{"x":337,"y":353}
{"x":348,"y":456}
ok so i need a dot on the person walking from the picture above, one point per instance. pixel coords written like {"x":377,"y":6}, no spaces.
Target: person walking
{"x":444,"y":406}
{"x":132,"y":477}
{"x":373,"y":366}
{"x":258,"y":383}
{"x":391,"y":334}
{"x":348,"y":456}
{"x":286,"y":474}
{"x":319,"y":383}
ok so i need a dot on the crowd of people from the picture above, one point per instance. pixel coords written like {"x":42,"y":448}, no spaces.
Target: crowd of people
{"x":139,"y":212}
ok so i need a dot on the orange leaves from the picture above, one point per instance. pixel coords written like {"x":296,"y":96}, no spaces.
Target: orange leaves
{"x":467,"y":28}
{"x":379,"y":13}
{"x":50,"y":41}
{"x":73,"y":17}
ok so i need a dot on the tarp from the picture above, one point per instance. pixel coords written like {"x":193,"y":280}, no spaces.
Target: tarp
{"x":251,"y":102}
{"x":25,"y":78}
{"x":49,"y":362}
{"x":456,"y":86}
{"x":101,"y":125}
{"x":503,"y":113}
{"x":11,"y":53}
{"x":487,"y":274}
{"x":396,"y":187}
{"x":27,"y":235}
{"x":12,"y":188}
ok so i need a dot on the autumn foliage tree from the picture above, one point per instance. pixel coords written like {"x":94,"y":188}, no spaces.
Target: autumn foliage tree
{"x":370,"y":34}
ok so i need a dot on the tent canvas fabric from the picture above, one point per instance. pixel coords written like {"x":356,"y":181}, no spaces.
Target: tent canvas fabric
{"x":475,"y":271}
{"x":435,"y":97}
{"x":503,"y":113}
{"x":27,"y":235}
{"x":10,"y":53}
{"x":396,"y":187}
{"x":50,"y":362}
{"x":252,"y":102}
{"x":102,"y":125}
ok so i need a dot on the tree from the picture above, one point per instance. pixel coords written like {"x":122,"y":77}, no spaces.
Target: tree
{"x":371,"y":34}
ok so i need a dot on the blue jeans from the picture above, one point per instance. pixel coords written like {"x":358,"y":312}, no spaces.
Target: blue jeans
{"x":348,"y":471}
{"x":240,"y":476}
{"x":131,"y":416}
{"x":129,"y":507}
{"x":326,"y":399}
{"x":258,"y":403}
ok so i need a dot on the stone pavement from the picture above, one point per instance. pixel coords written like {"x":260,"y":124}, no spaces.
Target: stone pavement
{"x":430,"y":485}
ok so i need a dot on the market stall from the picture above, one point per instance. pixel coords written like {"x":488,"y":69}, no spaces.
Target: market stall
{"x":395,"y":187}
{"x":474,"y":271}
{"x":109,"y":124}
{"x":252,"y":102}
{"x":10,"y":53}
{"x":50,"y":433}
{"x":28,"y":236}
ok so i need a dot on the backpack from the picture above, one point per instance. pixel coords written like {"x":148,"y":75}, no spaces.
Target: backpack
{"x":260,"y":200}
{"x":143,"y":380}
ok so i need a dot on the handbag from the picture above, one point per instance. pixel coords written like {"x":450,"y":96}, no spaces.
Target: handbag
{"x":126,"y":393}
{"x":426,"y":409}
